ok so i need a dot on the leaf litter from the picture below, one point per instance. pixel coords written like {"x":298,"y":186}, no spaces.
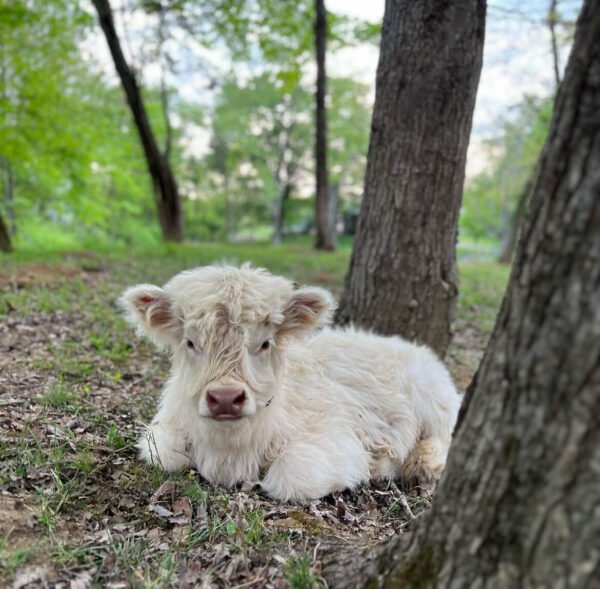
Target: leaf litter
{"x":71,"y":407}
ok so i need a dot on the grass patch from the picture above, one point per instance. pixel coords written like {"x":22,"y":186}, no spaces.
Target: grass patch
{"x":60,"y":396}
{"x":299,"y":574}
{"x":18,"y":557}
{"x":482,"y":288}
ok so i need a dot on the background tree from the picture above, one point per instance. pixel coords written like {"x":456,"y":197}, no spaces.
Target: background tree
{"x":516,"y":506}
{"x":348,"y":123}
{"x":5,"y":243}
{"x":324,"y":203}
{"x":260,"y":157}
{"x":260,"y":145}
{"x":166,"y":194}
{"x":402,"y":277}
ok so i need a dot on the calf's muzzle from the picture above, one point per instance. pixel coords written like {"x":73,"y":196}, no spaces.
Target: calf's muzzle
{"x":225,"y":403}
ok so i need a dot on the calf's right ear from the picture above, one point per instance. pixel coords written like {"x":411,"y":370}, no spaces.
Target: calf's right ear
{"x":308,"y":308}
{"x":150,"y":309}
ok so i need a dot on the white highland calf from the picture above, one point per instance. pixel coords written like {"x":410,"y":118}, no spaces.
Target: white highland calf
{"x":261,"y":389}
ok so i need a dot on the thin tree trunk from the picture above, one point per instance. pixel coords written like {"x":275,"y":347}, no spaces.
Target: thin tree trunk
{"x":164,"y":185}
{"x":221,"y":153}
{"x":518,"y":503}
{"x":509,"y":243}
{"x":403,"y":278}
{"x":5,"y":243}
{"x":552,"y":20}
{"x":229,"y":214}
{"x":279,"y":212}
{"x":9,"y":196}
{"x":164,"y":90}
{"x":325,"y":238}
{"x":334,"y":192}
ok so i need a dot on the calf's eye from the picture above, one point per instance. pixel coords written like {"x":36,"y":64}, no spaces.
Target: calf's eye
{"x":189,"y":343}
{"x":265,"y":345}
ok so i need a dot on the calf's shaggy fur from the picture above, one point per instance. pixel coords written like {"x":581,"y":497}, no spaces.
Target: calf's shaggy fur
{"x":324,"y":409}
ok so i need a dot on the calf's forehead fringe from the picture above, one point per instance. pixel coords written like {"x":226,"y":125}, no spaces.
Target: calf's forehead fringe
{"x":229,"y":294}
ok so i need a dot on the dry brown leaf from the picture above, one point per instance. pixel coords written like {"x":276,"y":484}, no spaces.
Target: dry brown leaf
{"x":83,"y":580}
{"x":167,"y":487}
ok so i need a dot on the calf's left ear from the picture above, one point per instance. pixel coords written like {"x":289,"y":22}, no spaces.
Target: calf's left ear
{"x":150,"y":309}
{"x":307,"y":309}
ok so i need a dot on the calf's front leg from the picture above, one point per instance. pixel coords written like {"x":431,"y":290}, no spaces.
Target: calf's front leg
{"x":164,"y":446}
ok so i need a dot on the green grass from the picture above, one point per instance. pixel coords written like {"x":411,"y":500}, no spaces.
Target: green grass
{"x":298,"y":573}
{"x":482,"y":288}
{"x":60,"y":395}
{"x":114,"y":439}
{"x":14,"y":559}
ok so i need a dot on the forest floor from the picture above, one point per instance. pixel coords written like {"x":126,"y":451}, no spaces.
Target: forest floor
{"x":78,"y":510}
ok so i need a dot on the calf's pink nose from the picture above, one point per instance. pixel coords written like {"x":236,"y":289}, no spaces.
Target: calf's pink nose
{"x":226,"y":402}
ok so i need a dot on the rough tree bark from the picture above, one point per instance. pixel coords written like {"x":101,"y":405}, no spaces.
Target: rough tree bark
{"x":166,"y":194}
{"x":325,"y":225}
{"x":403,"y":278}
{"x":518,"y":503}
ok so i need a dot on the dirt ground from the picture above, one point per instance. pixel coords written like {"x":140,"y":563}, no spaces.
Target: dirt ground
{"x":78,"y":510}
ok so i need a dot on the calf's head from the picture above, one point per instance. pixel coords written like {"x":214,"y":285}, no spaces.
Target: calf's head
{"x":228,"y":329}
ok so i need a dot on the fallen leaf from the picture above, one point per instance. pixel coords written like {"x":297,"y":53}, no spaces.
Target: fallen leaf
{"x":83,"y":580}
{"x":190,"y":576}
{"x":29,"y":575}
{"x":167,"y":487}
{"x":160,"y":510}
{"x":182,"y":512}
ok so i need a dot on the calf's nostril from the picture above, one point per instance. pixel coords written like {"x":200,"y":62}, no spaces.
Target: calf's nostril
{"x":239,"y":400}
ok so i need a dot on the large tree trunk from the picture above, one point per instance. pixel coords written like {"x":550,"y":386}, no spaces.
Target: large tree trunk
{"x":518,"y":503}
{"x":325,"y":226}
{"x":5,"y":243}
{"x":166,"y":194}
{"x":403,"y":278}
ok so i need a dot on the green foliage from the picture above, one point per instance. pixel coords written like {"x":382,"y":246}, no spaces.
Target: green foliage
{"x":349,"y":119}
{"x":65,"y":135}
{"x":491,"y":197}
{"x":71,"y":166}
{"x":262,"y":142}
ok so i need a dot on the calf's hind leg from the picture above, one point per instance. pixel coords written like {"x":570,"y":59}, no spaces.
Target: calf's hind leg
{"x":314,"y":467}
{"x":424,"y":465}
